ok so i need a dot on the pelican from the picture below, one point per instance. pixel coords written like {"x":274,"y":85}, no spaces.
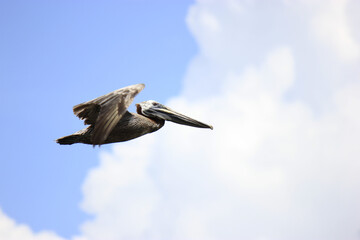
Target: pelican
{"x":110,"y":122}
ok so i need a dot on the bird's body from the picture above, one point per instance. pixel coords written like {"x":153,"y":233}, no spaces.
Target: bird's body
{"x":110,"y":121}
{"x":130,"y":126}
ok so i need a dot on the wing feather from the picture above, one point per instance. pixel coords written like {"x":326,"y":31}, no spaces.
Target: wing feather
{"x":105,"y":112}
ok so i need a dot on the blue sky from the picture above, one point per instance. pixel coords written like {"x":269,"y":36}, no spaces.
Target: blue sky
{"x":55,"y":54}
{"x":279,"y":82}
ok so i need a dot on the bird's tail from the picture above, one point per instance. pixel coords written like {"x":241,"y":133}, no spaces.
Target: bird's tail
{"x":68,"y":140}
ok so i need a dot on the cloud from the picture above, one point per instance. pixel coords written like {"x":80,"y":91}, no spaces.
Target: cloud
{"x":283,"y":159}
{"x":329,"y":25}
{"x":276,"y":166}
{"x":115,"y":184}
{"x":10,"y":230}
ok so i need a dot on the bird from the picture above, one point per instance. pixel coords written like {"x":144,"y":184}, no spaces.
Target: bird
{"x":110,"y":122}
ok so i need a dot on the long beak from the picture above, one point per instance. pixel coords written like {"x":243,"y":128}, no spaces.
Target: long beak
{"x":170,"y":115}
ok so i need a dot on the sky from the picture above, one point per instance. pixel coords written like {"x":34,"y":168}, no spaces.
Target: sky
{"x":55,"y":55}
{"x":278,"y":80}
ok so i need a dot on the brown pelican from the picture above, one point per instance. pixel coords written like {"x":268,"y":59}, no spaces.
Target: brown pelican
{"x":110,"y":121}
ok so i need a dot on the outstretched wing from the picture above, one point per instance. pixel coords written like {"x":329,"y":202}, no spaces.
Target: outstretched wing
{"x":105,"y":112}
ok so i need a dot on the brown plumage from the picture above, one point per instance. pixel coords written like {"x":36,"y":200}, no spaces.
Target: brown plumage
{"x":110,"y":121}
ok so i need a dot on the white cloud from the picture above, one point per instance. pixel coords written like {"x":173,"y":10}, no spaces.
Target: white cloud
{"x":277,"y":165}
{"x":274,"y":167}
{"x":10,"y":230}
{"x":120,"y":180}
{"x":330,"y":26}
{"x":115,"y":184}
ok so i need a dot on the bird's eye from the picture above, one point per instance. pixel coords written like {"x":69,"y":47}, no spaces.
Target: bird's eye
{"x":154,"y":103}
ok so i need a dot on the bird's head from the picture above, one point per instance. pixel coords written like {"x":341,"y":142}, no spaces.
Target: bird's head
{"x":153,"y":109}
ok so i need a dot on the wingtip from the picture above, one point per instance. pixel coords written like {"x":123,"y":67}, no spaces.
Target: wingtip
{"x":142,"y":85}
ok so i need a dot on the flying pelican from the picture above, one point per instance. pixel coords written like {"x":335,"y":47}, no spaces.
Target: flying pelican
{"x":110,"y":121}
